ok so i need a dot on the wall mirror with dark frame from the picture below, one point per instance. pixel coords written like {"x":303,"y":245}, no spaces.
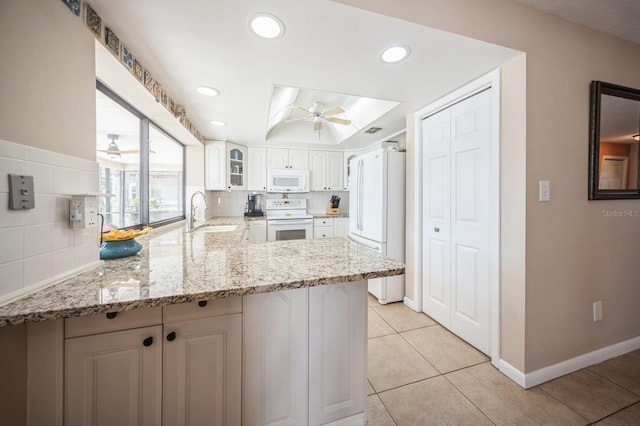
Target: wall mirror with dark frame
{"x":614,"y":136}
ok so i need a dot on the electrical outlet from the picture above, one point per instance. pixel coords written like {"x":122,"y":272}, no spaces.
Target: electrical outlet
{"x":597,"y":311}
{"x":83,"y":211}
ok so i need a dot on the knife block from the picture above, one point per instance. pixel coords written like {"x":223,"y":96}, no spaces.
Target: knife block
{"x":332,"y":211}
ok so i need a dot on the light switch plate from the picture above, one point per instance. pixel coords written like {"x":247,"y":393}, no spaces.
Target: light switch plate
{"x":21,"y":195}
{"x":544,"y":190}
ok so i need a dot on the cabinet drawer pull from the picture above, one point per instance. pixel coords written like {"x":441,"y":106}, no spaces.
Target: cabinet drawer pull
{"x":202,"y":303}
{"x":111,"y":315}
{"x":148,"y":341}
{"x":171,"y":336}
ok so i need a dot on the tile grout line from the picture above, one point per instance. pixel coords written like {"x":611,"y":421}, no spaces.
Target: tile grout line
{"x":560,"y":402}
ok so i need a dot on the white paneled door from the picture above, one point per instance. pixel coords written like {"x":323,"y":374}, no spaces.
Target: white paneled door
{"x":456,"y":179}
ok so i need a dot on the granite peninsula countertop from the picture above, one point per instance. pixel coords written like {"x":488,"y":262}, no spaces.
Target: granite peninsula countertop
{"x":176,"y":266}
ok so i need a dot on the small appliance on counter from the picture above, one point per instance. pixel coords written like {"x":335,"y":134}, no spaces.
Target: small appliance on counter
{"x":254,"y":205}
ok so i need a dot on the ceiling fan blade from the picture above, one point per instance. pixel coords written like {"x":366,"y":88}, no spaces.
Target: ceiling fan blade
{"x":334,"y":111}
{"x":295,"y":119}
{"x":303,"y":109}
{"x":339,"y":120}
{"x":317,"y":125}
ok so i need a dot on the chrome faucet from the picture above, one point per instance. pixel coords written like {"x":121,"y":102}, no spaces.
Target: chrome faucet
{"x":192,"y":216}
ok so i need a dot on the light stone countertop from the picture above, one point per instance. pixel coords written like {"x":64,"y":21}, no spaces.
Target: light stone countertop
{"x":175,"y":266}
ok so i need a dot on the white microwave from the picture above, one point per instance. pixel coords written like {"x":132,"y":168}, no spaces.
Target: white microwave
{"x":287,"y":180}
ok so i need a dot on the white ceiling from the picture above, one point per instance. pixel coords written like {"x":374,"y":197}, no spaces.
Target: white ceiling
{"x":327,"y":47}
{"x":620,"y":18}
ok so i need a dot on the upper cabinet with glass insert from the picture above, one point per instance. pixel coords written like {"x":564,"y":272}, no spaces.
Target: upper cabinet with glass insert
{"x":225,"y":166}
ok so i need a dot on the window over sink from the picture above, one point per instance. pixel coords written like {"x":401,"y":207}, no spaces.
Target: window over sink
{"x":141,"y":166}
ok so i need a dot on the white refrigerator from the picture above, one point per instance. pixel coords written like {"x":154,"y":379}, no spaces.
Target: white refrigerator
{"x":377,"y":212}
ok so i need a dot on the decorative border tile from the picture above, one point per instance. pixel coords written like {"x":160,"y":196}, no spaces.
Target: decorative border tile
{"x":127,"y":58}
{"x":138,"y":71}
{"x":74,"y":6}
{"x":164,"y":100}
{"x":112,"y":41}
{"x":93,"y":21}
{"x":148,"y":80}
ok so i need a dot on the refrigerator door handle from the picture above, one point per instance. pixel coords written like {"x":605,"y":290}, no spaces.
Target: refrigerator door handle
{"x":361,"y":196}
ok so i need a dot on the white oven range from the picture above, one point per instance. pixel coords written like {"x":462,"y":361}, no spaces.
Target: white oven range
{"x":287,"y":219}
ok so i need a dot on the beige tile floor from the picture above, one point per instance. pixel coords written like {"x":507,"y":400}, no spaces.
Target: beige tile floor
{"x":421,"y":374}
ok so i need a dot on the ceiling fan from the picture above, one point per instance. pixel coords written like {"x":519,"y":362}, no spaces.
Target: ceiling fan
{"x":114,"y":151}
{"x":318,"y":114}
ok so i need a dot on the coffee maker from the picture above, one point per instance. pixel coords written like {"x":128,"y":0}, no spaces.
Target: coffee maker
{"x":254,"y":205}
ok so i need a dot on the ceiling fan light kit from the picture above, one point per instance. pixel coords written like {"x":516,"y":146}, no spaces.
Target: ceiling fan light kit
{"x":317,"y":114}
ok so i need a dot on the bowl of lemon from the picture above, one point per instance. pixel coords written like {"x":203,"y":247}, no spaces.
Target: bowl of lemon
{"x":119,"y":243}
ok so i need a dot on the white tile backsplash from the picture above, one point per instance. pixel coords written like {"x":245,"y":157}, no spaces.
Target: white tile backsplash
{"x":13,"y":150}
{"x":62,"y":260}
{"x":44,"y":211}
{"x":42,"y":177}
{"x":9,"y":166}
{"x":37,"y":268}
{"x":10,"y":218}
{"x":39,"y":243}
{"x":12,"y":274}
{"x":37,"y":239}
{"x":37,"y":155}
{"x":11,"y":248}
{"x":63,"y":181}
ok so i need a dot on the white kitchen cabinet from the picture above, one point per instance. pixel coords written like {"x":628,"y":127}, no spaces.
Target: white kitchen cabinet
{"x":327,"y":170}
{"x":257,"y":168}
{"x":255,"y":231}
{"x":303,"y":353}
{"x":187,"y":371}
{"x":341,"y":227}
{"x":323,"y":228}
{"x":114,"y":378}
{"x":276,"y":360}
{"x":225,"y":166}
{"x":203,"y":371}
{"x":337,"y":346}
{"x":284,"y":158}
{"x":329,"y":227}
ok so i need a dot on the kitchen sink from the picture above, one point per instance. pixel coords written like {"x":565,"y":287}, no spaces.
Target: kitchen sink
{"x":216,"y":228}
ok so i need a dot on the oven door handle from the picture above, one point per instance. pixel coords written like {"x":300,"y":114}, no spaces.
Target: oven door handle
{"x":290,"y":222}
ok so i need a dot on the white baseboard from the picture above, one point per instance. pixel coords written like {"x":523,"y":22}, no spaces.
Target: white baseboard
{"x":554,"y":371}
{"x":10,"y":297}
{"x":410,"y":303}
{"x":356,"y":420}
{"x":512,"y":373}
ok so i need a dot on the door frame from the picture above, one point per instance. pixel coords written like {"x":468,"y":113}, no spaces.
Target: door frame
{"x":491,"y":81}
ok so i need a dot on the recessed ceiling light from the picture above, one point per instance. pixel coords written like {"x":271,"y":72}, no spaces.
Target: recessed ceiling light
{"x":266,"y":25}
{"x":394,"y":54}
{"x":218,"y":123}
{"x":208,"y":91}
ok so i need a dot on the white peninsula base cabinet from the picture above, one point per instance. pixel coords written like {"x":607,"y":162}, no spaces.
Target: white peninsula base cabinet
{"x":293,"y":357}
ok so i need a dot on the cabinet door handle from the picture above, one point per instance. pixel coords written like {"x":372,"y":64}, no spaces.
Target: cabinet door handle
{"x":111,"y":315}
{"x":148,"y":341}
{"x":436,"y":229}
{"x":171,"y":336}
{"x":202,"y":303}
